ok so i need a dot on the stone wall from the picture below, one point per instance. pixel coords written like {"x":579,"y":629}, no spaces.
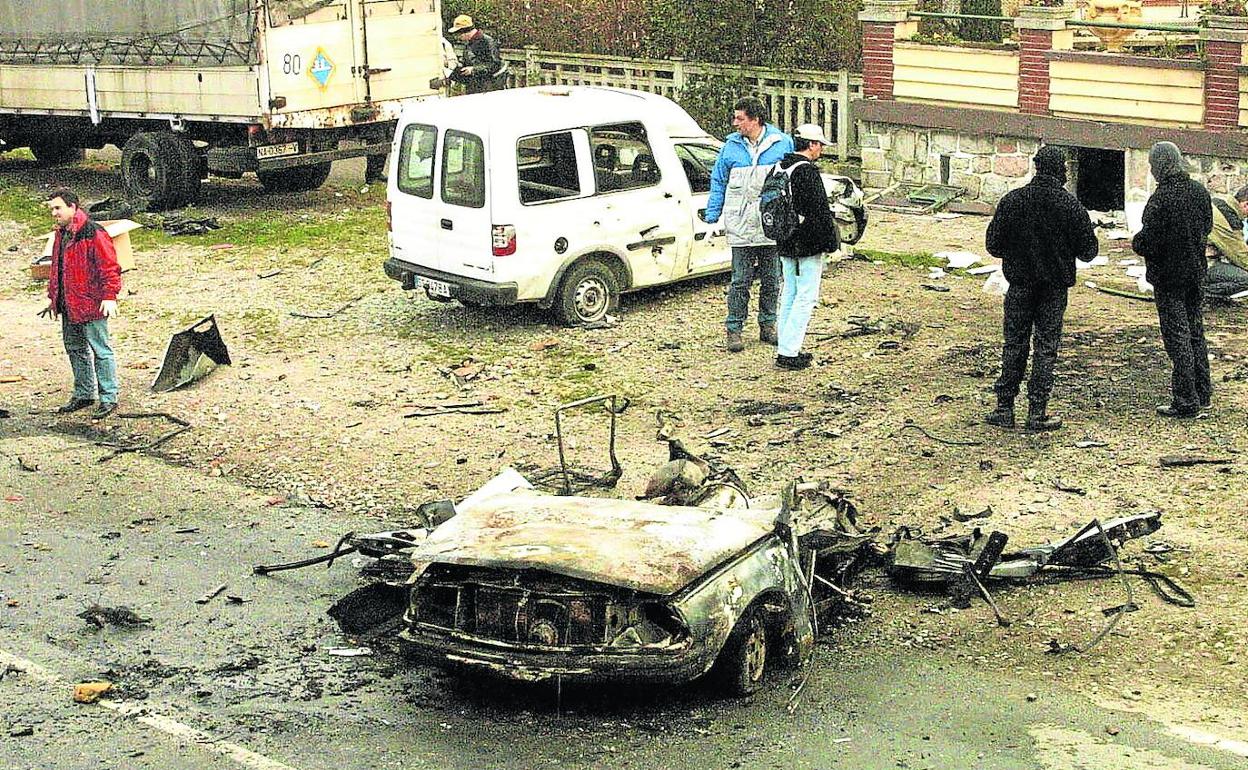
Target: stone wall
{"x":987,"y":166}
{"x":990,"y":166}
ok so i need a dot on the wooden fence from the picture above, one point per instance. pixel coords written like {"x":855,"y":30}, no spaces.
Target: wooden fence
{"x":793,"y":96}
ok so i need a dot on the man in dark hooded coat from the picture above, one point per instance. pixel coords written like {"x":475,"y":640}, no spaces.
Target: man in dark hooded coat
{"x":1175,"y":226}
{"x":1038,"y":232}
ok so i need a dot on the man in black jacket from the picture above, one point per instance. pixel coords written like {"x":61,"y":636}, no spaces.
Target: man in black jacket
{"x":801,"y":254}
{"x":482,"y":63}
{"x":1176,"y":223}
{"x":1038,"y":232}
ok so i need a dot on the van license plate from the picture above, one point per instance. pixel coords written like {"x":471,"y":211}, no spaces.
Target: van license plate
{"x":436,"y":288}
{"x":277,"y":150}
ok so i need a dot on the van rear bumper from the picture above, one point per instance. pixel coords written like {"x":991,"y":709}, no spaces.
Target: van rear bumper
{"x":470,"y":290}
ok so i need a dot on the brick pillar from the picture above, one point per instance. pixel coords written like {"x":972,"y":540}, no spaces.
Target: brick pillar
{"x":1222,"y":84}
{"x":883,"y":22}
{"x":1040,"y":29}
{"x":1033,"y":71}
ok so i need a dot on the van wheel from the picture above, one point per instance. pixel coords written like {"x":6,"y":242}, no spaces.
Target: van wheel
{"x":297,"y":179}
{"x":741,"y":665}
{"x":589,"y":291}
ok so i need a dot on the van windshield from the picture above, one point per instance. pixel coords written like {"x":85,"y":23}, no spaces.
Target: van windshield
{"x":416,"y":157}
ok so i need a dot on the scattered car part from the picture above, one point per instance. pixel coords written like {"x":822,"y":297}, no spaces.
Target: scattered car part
{"x":192,"y":353}
{"x":183,"y":426}
{"x":569,"y":476}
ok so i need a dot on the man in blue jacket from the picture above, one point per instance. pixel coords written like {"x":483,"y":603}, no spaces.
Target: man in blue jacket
{"x":736,"y":183}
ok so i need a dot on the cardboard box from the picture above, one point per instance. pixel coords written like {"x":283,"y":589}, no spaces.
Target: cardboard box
{"x":118,"y":229}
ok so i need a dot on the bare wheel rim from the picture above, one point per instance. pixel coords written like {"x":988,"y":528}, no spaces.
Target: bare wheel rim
{"x":591,"y":298}
{"x":755,"y":652}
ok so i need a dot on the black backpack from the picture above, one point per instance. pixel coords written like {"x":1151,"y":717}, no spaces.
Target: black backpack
{"x":775,"y":206}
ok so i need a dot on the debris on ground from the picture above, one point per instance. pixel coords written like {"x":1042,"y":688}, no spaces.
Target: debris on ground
{"x":186,"y":224}
{"x":914,"y":197}
{"x":120,"y":449}
{"x":212,"y":594}
{"x":90,"y":692}
{"x":327,"y":314}
{"x":1186,"y":461}
{"x":453,"y":407}
{"x":120,"y":616}
{"x":191,"y":354}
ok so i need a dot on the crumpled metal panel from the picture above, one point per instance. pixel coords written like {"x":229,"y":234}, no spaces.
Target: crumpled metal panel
{"x":657,"y":549}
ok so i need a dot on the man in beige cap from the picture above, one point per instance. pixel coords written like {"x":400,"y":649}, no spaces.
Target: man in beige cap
{"x":481,"y":67}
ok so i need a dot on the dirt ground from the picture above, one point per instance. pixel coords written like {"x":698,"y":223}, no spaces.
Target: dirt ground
{"x":315,"y":411}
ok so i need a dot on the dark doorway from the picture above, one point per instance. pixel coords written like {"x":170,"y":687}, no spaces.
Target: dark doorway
{"x":1099,"y":178}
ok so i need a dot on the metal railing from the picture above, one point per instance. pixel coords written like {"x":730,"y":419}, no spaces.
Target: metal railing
{"x":793,"y":96}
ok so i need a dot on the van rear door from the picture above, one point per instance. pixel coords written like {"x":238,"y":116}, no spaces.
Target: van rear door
{"x":414,"y":230}
{"x":463,"y":216}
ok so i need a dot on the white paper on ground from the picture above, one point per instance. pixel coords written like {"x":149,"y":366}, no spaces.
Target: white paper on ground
{"x":1118,"y":234}
{"x":946,"y":215}
{"x":958,"y":259}
{"x":936,"y":274}
{"x":1136,"y":271}
{"x":996,"y":284}
{"x":984,"y":269}
{"x":1125,"y":262}
{"x":1098,"y":260}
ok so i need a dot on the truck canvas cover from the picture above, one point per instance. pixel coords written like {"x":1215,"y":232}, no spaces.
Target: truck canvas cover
{"x":163,"y":32}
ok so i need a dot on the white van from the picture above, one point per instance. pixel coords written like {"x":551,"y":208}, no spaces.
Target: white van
{"x":563,"y":196}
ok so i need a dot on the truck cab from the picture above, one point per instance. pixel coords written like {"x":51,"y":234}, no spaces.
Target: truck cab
{"x":561,"y":196}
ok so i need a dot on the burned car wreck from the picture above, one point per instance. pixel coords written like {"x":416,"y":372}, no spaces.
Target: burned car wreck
{"x":534,"y":586}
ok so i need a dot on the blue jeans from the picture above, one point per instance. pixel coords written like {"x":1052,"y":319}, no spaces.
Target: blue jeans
{"x":91,"y":358}
{"x":797,"y":301}
{"x":746,"y":261}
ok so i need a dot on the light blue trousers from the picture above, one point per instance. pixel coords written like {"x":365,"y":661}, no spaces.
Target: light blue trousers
{"x":797,"y":300}
{"x":91,"y":358}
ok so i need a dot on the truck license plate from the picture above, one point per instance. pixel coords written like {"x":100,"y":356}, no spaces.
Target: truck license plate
{"x":436,"y":288}
{"x":277,"y":150}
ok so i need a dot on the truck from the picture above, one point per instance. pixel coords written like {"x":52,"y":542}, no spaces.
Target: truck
{"x":192,"y":88}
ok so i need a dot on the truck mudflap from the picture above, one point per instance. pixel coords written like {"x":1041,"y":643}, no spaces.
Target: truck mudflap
{"x":444,"y":286}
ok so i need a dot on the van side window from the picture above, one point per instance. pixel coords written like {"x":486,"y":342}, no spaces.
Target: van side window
{"x":416,"y":153}
{"x":697,"y":160}
{"x":546,"y":167}
{"x":622,"y":157}
{"x":463,"y":169}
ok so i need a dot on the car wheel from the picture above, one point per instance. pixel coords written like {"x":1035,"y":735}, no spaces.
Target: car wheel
{"x":742,"y":663}
{"x":852,"y":233}
{"x":588,"y":292}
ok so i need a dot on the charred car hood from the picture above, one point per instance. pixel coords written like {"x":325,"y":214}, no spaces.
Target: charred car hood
{"x":657,"y":549}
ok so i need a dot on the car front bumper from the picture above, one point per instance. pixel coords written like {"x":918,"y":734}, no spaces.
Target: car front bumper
{"x":671,"y":665}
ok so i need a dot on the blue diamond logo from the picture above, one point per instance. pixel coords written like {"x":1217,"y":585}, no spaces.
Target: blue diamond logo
{"x":322,"y":68}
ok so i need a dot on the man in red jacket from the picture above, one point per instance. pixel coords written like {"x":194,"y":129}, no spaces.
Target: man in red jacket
{"x":82,"y":292}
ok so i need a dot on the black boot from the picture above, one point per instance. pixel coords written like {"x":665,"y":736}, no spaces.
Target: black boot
{"x":1037,"y":419}
{"x":1003,"y":415}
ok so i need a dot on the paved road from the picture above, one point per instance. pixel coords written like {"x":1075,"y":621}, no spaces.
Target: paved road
{"x":252,"y":685}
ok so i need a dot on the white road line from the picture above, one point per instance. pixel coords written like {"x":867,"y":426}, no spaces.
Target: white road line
{"x":242,"y":756}
{"x":1209,"y":739}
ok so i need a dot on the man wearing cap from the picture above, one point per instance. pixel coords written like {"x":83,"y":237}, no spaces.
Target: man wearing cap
{"x":801,"y":254}
{"x":481,"y":64}
{"x":1038,"y":232}
{"x":736,"y":183}
{"x":1172,"y":237}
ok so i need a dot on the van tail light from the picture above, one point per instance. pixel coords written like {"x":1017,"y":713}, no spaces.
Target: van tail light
{"x":503,"y":239}
{"x":389,"y":219}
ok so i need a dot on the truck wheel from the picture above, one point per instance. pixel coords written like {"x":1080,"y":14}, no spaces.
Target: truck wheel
{"x":742,"y":663}
{"x":297,"y":179}
{"x":56,"y":153}
{"x":152,"y":171}
{"x":588,"y":292}
{"x":185,"y":174}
